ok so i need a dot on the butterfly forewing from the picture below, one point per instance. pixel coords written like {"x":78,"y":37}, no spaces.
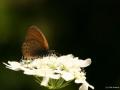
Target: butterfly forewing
{"x":35,"y":43}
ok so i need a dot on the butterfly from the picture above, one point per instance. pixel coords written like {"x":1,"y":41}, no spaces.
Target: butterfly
{"x":35,"y":43}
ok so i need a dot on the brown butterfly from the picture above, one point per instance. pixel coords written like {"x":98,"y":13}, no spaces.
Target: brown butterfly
{"x":35,"y":43}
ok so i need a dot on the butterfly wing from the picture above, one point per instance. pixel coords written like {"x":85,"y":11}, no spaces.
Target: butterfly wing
{"x":35,"y":43}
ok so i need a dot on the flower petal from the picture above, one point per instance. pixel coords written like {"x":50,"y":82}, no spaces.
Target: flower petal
{"x":85,"y":63}
{"x":13,"y":65}
{"x":45,"y":81}
{"x":68,"y":76}
{"x":85,"y":86}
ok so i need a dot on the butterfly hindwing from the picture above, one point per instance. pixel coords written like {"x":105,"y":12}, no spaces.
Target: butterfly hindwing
{"x":35,"y":43}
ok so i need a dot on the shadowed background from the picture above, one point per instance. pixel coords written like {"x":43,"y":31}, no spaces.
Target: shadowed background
{"x":88,"y":29}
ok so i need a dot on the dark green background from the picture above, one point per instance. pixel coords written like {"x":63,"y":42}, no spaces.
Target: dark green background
{"x":85,"y":28}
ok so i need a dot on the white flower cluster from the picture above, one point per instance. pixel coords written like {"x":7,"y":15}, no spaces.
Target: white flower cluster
{"x":64,"y":67}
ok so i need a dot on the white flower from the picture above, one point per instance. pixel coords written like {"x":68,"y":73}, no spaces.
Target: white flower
{"x":66,"y":67}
